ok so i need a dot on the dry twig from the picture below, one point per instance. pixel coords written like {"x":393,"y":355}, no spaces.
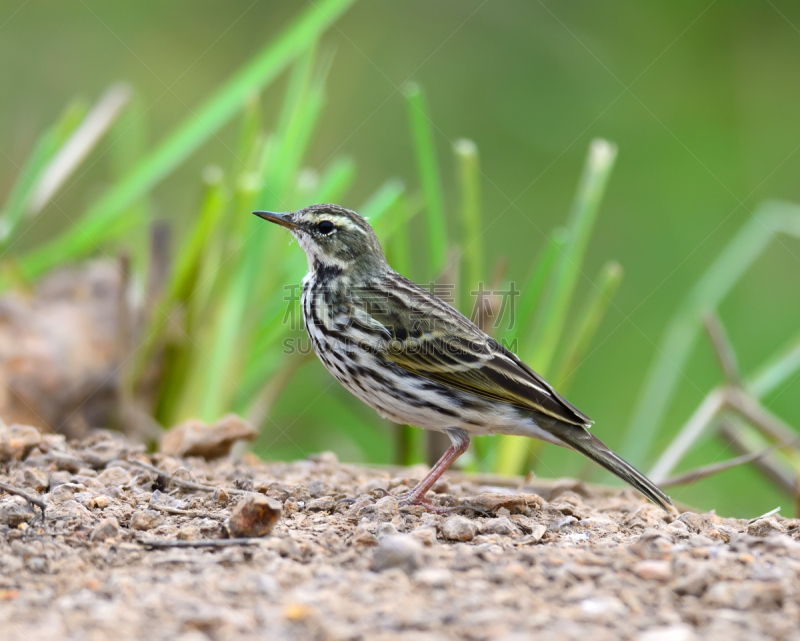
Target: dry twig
{"x":732,"y":396}
{"x":716,"y":468}
{"x":186,"y":485}
{"x":203,"y":543}
{"x":775,"y":472}
{"x":723,"y":349}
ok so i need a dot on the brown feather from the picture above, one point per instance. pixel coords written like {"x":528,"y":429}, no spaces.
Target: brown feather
{"x":442,"y":345}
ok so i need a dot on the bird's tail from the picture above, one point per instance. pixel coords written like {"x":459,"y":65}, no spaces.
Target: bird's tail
{"x":589,"y":445}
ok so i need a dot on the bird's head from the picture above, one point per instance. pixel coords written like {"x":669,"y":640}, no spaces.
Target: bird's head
{"x":332,"y":236}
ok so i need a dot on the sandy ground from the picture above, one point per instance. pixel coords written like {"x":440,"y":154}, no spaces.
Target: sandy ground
{"x":569,"y":565}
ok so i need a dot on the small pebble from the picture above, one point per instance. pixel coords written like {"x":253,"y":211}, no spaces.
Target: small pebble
{"x":653,"y":544}
{"x":653,"y":570}
{"x":602,"y":607}
{"x":37,"y":564}
{"x":297,"y":612}
{"x":672,"y":633}
{"x":434,"y":577}
{"x":66,"y":492}
{"x":114,"y":476}
{"x":746,"y":595}
{"x":58,"y":478}
{"x":501,"y":525}
{"x":600,"y":525}
{"x":398,"y":551}
{"x":189,"y":533}
{"x":106,"y":529}
{"x":362,"y":536}
{"x":144,"y":520}
{"x":254,"y":515}
{"x":37,"y":479}
{"x":458,"y":528}
{"x":318,"y":489}
{"x":196,"y":438}
{"x":15,"y":511}
{"x":386,"y":529}
{"x":382,"y":510}
{"x":425,"y":534}
{"x":764,"y":527}
{"x":89,"y":482}
{"x":560,"y":524}
{"x":17,"y":440}
{"x":538,"y":530}
{"x":220,"y":496}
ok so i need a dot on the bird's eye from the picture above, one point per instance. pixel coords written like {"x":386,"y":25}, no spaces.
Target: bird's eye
{"x":325,"y":227}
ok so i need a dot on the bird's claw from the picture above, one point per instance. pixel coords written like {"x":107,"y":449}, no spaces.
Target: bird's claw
{"x":410,"y":498}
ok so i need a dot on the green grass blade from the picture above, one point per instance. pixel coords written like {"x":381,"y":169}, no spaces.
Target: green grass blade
{"x":683,"y":329}
{"x":191,"y":252}
{"x":180,"y":291}
{"x":24,"y":187}
{"x":428,"y":169}
{"x":510,"y":454}
{"x":303,"y":105}
{"x":128,"y":145}
{"x":409,"y":445}
{"x":556,"y":305}
{"x":588,"y":323}
{"x":473,"y":270}
{"x":93,"y":127}
{"x":256,"y":274}
{"x":220,"y":363}
{"x":513,"y":451}
{"x":378,"y":206}
{"x":249,"y":136}
{"x":96,"y":223}
{"x":398,"y":245}
{"x":278,"y":321}
{"x":534,"y":287}
{"x":776,"y":371}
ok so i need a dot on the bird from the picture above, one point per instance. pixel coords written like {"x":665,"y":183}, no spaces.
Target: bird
{"x":418,"y":361}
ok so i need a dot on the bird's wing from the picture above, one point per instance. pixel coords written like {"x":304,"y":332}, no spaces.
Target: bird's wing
{"x":433,"y":340}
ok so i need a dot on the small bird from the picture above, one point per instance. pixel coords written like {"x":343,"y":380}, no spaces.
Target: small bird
{"x":416,"y":360}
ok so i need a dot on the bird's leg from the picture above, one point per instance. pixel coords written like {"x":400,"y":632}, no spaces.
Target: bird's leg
{"x":416,"y":496}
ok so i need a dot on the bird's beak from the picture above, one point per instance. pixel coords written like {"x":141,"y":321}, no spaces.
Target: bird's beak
{"x":282,"y":219}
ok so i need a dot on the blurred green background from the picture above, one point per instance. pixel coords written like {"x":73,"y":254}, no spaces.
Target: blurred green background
{"x":700,"y":98}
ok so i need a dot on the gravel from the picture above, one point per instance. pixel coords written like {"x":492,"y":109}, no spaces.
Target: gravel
{"x":343,"y":561}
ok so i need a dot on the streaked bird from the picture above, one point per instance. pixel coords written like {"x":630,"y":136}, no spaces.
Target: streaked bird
{"x":416,"y":360}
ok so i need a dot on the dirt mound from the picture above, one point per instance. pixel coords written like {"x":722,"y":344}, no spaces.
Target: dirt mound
{"x":507,"y":564}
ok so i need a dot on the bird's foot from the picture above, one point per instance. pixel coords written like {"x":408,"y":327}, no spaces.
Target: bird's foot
{"x":406,"y":499}
{"x":411,"y":497}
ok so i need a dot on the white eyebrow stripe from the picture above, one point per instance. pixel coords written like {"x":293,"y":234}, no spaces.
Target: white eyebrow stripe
{"x":349,"y":225}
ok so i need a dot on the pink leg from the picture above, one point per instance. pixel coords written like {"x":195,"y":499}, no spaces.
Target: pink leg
{"x":460,"y":444}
